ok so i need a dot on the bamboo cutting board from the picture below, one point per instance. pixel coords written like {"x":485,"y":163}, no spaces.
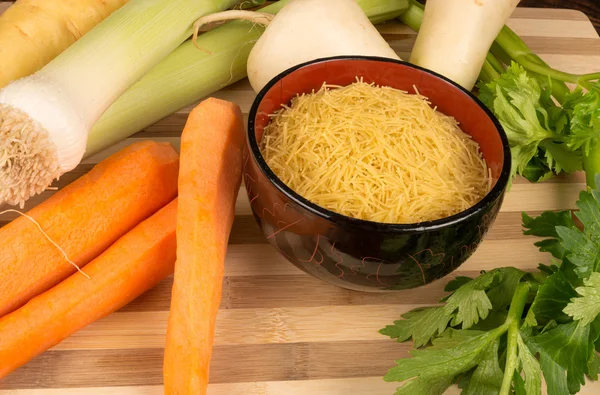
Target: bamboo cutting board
{"x":280,"y":331}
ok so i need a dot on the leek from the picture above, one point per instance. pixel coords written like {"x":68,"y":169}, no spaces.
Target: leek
{"x":45,"y":118}
{"x":189,"y":74}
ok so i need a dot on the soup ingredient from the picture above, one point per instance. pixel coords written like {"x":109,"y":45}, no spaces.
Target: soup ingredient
{"x":551,"y":129}
{"x":45,"y":118}
{"x":211,"y":172}
{"x":188,"y":74}
{"x":33,"y":32}
{"x":84,"y":219}
{"x":520,"y":325}
{"x":455,"y":36}
{"x":130,"y":267}
{"x":375,"y":153}
{"x":340,"y":27}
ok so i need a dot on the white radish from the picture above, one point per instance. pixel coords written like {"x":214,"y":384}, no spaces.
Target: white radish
{"x":306,"y":30}
{"x":456,"y":35}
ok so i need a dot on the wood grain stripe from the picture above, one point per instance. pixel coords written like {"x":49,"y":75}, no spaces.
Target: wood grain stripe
{"x":362,"y":386}
{"x":230,"y":364}
{"x":282,"y":325}
{"x":347,"y":386}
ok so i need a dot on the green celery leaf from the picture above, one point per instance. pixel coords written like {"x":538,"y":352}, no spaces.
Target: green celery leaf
{"x":548,"y":269}
{"x":594,"y":366}
{"x":584,"y":110}
{"x":531,"y":369}
{"x":537,"y":170}
{"x":595,"y":333}
{"x":444,"y":362}
{"x":429,"y":386}
{"x":487,"y":377}
{"x":519,"y":384}
{"x":495,"y":318}
{"x":568,"y":345}
{"x":470,"y":301}
{"x":552,"y":297}
{"x":456,"y":283}
{"x":420,"y":324}
{"x":462,"y":380}
{"x":517,"y":101}
{"x":560,"y":158}
{"x":451,"y":337}
{"x":555,"y":376}
{"x":582,"y":251}
{"x":586,"y":307}
{"x":589,"y":212}
{"x":545,"y":224}
{"x":502,"y":290}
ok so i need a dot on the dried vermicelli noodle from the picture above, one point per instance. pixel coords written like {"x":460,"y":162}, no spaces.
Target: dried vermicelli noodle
{"x":375,"y":153}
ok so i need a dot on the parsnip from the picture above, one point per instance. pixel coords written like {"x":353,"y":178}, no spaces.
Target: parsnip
{"x":455,"y":36}
{"x":33,"y":32}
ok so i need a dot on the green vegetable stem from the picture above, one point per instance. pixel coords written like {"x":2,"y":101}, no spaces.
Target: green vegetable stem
{"x":501,"y":332}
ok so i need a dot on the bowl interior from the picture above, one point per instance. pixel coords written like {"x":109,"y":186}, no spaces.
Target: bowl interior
{"x":473,"y":117}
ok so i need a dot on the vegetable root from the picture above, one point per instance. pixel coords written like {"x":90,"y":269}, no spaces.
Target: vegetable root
{"x":84,"y":219}
{"x":33,"y":32}
{"x":211,"y":172}
{"x":306,"y":30}
{"x":455,"y":36}
{"x":131,"y":266}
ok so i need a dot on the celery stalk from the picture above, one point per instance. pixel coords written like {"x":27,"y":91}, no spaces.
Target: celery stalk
{"x":591,"y":164}
{"x":189,"y":74}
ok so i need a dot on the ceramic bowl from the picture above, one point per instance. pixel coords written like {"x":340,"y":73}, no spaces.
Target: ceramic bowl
{"x":364,"y":255}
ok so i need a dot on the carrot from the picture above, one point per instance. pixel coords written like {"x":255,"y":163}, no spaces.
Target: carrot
{"x":33,"y":32}
{"x":84,"y":219}
{"x":130,"y":267}
{"x":209,"y":180}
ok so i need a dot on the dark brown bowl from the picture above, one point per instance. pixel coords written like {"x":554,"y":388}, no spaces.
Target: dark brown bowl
{"x":365,"y":255}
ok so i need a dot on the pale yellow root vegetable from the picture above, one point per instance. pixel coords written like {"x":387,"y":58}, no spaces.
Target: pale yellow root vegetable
{"x":33,"y":32}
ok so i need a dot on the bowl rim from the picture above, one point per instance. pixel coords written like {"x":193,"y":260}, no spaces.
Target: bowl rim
{"x":346,"y":221}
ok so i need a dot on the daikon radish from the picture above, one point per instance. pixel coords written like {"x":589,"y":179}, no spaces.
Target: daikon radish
{"x":306,"y":30}
{"x":455,"y":36}
{"x":84,"y":219}
{"x":211,"y":173}
{"x":33,"y":32}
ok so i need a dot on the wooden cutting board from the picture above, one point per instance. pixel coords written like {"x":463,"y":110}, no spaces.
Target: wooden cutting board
{"x":280,"y":331}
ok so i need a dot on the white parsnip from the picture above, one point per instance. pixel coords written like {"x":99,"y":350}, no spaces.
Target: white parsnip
{"x":306,"y":30}
{"x":455,"y":36}
{"x":33,"y":32}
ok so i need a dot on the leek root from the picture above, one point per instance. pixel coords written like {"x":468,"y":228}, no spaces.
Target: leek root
{"x":45,"y":118}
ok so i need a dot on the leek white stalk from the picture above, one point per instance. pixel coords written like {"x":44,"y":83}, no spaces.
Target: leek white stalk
{"x":188,"y":74}
{"x":455,"y":36}
{"x":45,"y":118}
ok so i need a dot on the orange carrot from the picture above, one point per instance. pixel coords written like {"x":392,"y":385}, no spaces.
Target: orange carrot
{"x":84,"y":219}
{"x":131,"y":266}
{"x":209,"y":180}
